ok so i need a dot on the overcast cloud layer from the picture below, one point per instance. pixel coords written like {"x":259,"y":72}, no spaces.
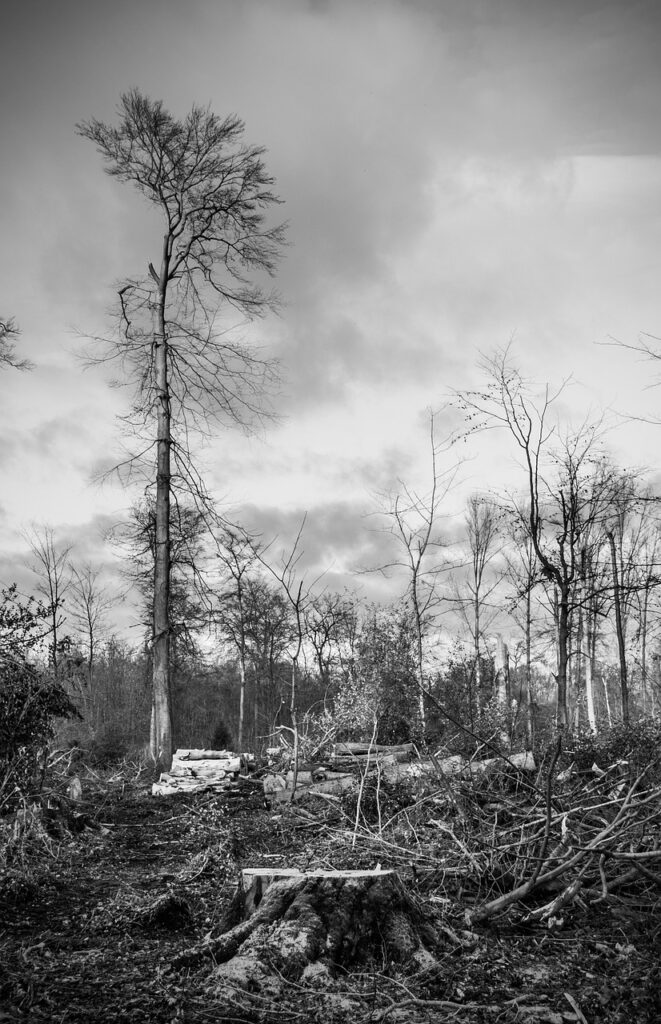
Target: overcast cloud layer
{"x":454,"y":173}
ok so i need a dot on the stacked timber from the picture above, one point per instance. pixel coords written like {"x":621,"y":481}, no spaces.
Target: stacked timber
{"x":454,"y":765}
{"x":321,"y":782}
{"x":393,"y":765}
{"x":193,"y":771}
{"x":352,"y":755}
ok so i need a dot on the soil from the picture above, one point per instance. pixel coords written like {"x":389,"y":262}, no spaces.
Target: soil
{"x":99,"y":914}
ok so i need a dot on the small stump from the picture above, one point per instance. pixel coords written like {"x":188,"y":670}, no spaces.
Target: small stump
{"x":295,"y":926}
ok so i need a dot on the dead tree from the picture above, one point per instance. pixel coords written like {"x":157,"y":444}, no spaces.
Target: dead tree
{"x":52,"y":568}
{"x":211,"y":192}
{"x":413,"y":521}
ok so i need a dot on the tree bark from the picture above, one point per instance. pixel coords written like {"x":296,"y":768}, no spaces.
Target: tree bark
{"x":502,"y":671}
{"x":242,"y":699}
{"x":619,"y":628}
{"x":161,"y":726}
{"x":588,"y":662}
{"x":643,"y":649}
{"x":563,"y":659}
{"x":281,"y":922}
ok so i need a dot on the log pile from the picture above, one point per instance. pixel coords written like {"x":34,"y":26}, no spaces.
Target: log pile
{"x":347,"y":762}
{"x":194,"y":771}
{"x":348,"y":755}
{"x":321,"y":782}
{"x":455,"y":765}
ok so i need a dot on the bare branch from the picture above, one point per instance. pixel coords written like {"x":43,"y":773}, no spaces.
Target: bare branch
{"x":9,"y":334}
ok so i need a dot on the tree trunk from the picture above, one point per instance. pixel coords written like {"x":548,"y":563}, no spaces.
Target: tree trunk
{"x":420,"y":660}
{"x":293,"y":711}
{"x":242,"y":700}
{"x":161,"y":727}
{"x":609,"y":716}
{"x":563,"y":659}
{"x":478,"y":666}
{"x":643,"y":649}
{"x":588,"y":663}
{"x":502,"y":682}
{"x":502,"y":671}
{"x":530,"y":725}
{"x":619,"y":627}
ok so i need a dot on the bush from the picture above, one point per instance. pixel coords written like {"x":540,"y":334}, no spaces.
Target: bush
{"x":638,"y":744}
{"x":109,"y":744}
{"x":30,"y":701}
{"x":222,"y":738}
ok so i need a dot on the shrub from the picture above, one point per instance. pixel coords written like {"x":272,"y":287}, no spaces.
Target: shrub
{"x":109,"y":744}
{"x":30,"y":701}
{"x":222,"y":738}
{"x":638,"y":744}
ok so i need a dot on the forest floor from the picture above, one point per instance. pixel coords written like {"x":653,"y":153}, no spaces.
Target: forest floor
{"x":92,"y":923}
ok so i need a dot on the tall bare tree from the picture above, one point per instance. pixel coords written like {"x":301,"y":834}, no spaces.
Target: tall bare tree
{"x":52,"y":567}
{"x":413,"y":520}
{"x":522,"y":573}
{"x":237,"y":554}
{"x":627,"y":530}
{"x":298,"y":595}
{"x":90,"y":603}
{"x":567,"y":490}
{"x":212,"y":193}
{"x":650,"y":580}
{"x":481,"y":523}
{"x":330,"y":622}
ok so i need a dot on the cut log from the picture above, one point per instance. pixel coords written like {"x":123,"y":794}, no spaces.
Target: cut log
{"x":203,"y":755}
{"x":525,"y":762}
{"x":283,"y":921}
{"x":278,"y":788}
{"x":340,"y":749}
{"x":169,"y":785}
{"x":335,"y":784}
{"x":204,"y":766}
{"x":365,"y":755}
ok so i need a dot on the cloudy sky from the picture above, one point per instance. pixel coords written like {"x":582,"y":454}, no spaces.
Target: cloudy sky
{"x":454,"y":173}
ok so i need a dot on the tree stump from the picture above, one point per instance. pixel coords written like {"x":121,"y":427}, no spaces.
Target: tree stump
{"x":284,"y":924}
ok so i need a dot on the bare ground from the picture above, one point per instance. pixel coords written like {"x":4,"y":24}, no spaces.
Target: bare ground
{"x":92,"y":922}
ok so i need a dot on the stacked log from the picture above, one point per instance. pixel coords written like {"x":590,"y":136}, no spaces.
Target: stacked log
{"x":394,"y":764}
{"x":193,"y":771}
{"x":455,"y":765}
{"x":279,"y":787}
{"x":350,"y":755}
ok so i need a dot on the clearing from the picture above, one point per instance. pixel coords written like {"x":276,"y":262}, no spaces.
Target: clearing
{"x":118,"y":914}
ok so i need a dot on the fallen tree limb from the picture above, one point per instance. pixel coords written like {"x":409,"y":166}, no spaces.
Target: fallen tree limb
{"x":571,"y":854}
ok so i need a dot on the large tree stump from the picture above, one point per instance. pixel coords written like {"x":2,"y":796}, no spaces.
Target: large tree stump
{"x":286,"y":924}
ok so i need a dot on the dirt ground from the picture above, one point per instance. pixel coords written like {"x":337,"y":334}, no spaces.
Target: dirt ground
{"x":92,"y":922}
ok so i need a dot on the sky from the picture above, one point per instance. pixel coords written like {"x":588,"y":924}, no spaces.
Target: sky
{"x":456,"y":175}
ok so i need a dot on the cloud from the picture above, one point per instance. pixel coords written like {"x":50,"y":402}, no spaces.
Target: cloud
{"x":453,"y":171}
